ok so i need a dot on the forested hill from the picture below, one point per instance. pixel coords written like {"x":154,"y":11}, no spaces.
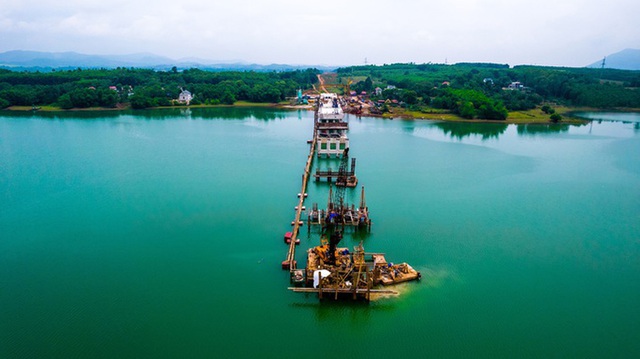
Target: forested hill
{"x":490,"y":90}
{"x":142,"y":88}
{"x":33,"y":61}
{"x":471,"y":90}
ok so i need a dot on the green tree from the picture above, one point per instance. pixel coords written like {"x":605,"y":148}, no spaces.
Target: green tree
{"x":467,"y":110}
{"x":410,"y":97}
{"x":228,"y":98}
{"x":493,"y":111}
{"x":555,"y":118}
{"x":107,"y":98}
{"x":84,"y":97}
{"x":368,"y":84}
{"x":64,"y":102}
{"x":264,"y":93}
{"x":140,"y":101}
{"x":547,"y":109}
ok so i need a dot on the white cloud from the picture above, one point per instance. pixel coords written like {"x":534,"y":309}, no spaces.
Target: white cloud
{"x":569,"y":32}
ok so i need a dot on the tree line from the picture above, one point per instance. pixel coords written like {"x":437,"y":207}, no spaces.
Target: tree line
{"x":143,"y":88}
{"x":472,"y":90}
{"x":482,"y":90}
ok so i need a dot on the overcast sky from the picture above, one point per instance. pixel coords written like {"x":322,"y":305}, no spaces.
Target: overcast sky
{"x":329,"y":32}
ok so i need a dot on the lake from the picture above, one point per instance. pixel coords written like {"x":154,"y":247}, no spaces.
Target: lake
{"x":159,"y":234}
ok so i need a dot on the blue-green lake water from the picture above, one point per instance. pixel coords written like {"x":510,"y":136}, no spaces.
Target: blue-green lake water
{"x":159,"y":235}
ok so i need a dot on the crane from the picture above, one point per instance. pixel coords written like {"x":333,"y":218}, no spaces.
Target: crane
{"x":336,"y":208}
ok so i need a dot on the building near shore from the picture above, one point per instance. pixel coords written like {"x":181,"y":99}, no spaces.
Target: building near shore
{"x":185,"y":97}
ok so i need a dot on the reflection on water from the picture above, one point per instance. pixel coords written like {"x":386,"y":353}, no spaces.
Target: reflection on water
{"x":225,"y":113}
{"x":185,"y":112}
{"x":627,"y":117}
{"x":240,"y":113}
{"x":66,"y":115}
{"x":460,"y":130}
{"x":486,"y":131}
{"x":537,"y":129}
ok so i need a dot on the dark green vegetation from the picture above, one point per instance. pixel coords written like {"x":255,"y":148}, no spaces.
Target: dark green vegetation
{"x":470,"y":90}
{"x":144,"y":88}
{"x":489,"y":91}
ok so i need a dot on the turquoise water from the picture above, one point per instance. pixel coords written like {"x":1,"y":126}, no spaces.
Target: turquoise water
{"x":159,"y":234}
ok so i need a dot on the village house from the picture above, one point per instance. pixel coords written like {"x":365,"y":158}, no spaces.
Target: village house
{"x":185,"y":97}
{"x":515,"y":86}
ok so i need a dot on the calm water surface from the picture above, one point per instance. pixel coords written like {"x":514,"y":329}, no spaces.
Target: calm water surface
{"x":159,"y":234}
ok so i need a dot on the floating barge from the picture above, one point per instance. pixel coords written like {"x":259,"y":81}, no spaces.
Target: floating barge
{"x":354,"y":275}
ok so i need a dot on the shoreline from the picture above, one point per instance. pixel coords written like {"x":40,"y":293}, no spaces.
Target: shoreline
{"x":534,"y":116}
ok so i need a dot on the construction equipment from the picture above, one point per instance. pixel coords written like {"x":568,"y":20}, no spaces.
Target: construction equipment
{"x":336,"y":209}
{"x":347,"y":87}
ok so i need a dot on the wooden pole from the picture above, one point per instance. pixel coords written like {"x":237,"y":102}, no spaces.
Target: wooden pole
{"x":305,"y":179}
{"x":368,"y":296}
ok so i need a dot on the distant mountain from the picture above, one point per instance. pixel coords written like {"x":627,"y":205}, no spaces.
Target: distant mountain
{"x":628,"y":59}
{"x":74,"y":59}
{"x":45,"y":61}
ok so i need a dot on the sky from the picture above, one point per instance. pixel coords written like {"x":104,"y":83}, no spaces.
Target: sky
{"x":329,"y":32}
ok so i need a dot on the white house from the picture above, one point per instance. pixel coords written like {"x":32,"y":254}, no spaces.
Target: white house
{"x":515,"y":86}
{"x":185,"y":97}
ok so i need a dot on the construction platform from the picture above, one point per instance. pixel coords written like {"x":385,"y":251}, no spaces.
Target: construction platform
{"x":349,"y":275}
{"x":340,"y":214}
{"x":331,"y":271}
